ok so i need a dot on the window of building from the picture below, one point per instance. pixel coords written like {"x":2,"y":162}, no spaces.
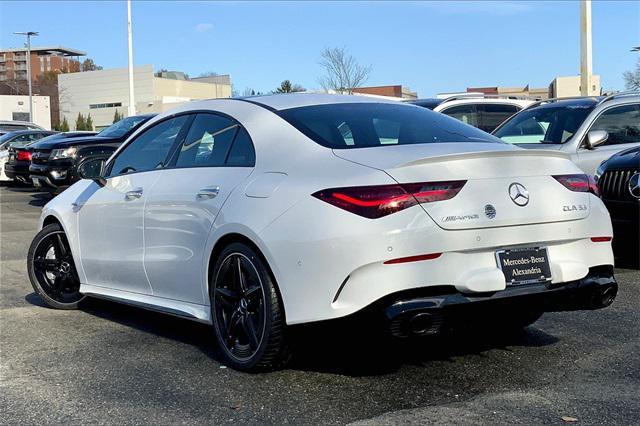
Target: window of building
{"x":107,"y":105}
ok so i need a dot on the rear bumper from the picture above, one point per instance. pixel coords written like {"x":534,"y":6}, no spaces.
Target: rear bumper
{"x":595,"y":291}
{"x":17,"y":171}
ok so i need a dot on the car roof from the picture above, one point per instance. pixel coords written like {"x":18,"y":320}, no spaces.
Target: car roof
{"x":281,"y":102}
{"x":27,"y":131}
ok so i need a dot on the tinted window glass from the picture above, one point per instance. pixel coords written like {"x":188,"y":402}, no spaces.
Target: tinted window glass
{"x":492,"y":115}
{"x":544,"y":124}
{"x":242,"y":152}
{"x":120,"y":128}
{"x":465,"y":113}
{"x":207,"y":142}
{"x":362,"y":125}
{"x":622,"y":123}
{"x":150,"y":149}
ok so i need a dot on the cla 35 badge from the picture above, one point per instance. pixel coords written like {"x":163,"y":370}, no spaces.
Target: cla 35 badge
{"x":519,"y":194}
{"x":490,"y":211}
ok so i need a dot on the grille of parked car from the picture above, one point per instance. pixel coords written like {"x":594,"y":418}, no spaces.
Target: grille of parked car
{"x":40,"y":156}
{"x":614,"y":184}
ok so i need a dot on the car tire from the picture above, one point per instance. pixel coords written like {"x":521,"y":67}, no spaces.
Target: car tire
{"x":51,"y":268}
{"x":246,"y":311}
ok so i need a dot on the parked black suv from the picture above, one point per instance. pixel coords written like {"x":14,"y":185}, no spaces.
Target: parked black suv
{"x":618,"y":182}
{"x":15,"y":142}
{"x":54,"y":164}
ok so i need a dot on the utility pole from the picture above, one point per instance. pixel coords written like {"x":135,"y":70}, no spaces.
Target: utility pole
{"x":132,"y":102}
{"x":29,"y":34}
{"x":586,"y":57}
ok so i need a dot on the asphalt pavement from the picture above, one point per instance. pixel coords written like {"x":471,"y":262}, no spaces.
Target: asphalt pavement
{"x":115,"y":364}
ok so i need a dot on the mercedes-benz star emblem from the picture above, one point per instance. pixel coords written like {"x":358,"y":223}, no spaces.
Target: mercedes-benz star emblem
{"x":519,"y":194}
{"x":490,"y":211}
{"x":634,"y":185}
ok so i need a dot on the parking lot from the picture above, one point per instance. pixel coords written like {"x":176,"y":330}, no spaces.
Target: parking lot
{"x":114,"y":364}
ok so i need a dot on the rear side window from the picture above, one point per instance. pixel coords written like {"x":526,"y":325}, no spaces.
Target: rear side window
{"x":492,"y":115}
{"x":465,"y":113}
{"x":364,"y":125}
{"x":242,"y":153}
{"x":622,"y":123}
{"x":208,"y":141}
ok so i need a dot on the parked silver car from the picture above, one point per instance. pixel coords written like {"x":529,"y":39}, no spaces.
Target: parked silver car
{"x":589,"y":129}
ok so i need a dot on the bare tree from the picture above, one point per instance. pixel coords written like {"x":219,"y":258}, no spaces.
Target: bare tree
{"x":342,"y":72}
{"x":632,"y":78}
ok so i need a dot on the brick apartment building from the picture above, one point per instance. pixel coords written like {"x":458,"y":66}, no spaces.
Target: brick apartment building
{"x":13,"y":62}
{"x":396,"y":91}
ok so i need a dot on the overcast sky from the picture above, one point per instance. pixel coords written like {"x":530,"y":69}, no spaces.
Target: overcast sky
{"x":429,"y":46}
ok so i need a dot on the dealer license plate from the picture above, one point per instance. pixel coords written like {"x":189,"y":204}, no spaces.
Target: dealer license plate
{"x":524,"y":265}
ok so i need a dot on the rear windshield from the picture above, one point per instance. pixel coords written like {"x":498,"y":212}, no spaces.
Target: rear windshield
{"x":365,"y":125}
{"x":545,"y":124}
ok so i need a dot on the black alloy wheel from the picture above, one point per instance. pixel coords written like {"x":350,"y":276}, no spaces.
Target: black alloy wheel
{"x":246,"y":311}
{"x":52,"y":271}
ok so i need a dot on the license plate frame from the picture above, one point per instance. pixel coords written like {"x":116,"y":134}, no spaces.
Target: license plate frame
{"x":519,"y":256}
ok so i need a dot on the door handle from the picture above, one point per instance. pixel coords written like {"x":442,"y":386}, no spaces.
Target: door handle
{"x":133,"y":194}
{"x":208,"y":193}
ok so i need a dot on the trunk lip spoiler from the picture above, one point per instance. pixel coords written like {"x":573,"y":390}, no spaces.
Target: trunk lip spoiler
{"x":486,"y":154}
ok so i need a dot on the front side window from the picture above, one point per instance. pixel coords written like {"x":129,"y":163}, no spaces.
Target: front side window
{"x":150,"y":149}
{"x":207,"y":142}
{"x":364,"y":125}
{"x":553,"y":124}
{"x":465,"y":113}
{"x":622,"y":123}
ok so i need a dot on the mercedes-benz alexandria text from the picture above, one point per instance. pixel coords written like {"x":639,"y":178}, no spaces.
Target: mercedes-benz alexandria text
{"x":255,"y":214}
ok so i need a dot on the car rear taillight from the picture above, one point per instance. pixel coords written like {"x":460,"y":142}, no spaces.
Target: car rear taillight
{"x":381,"y":200}
{"x":579,"y":183}
{"x":23,"y":156}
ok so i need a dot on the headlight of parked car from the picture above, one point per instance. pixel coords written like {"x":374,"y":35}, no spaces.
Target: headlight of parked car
{"x":599,"y":171}
{"x":57,"y":154}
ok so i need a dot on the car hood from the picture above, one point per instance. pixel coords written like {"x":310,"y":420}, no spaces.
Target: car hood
{"x":80,"y":140}
{"x":624,"y":159}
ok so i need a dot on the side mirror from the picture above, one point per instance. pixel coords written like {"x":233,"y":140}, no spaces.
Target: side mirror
{"x":595,"y":138}
{"x":92,"y":169}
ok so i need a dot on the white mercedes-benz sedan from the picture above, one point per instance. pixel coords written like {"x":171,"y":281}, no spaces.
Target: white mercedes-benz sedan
{"x":254,"y":214}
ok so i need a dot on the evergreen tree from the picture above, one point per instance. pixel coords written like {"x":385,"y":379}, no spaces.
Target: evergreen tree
{"x":88,"y":125}
{"x":81,"y":124}
{"x":64,"y":126}
{"x":117,"y":116}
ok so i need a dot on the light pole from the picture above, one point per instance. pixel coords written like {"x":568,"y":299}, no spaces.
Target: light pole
{"x":586,"y":57}
{"x":132,"y":102}
{"x":29,"y":34}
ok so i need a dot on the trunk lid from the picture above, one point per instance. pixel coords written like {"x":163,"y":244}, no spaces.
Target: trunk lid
{"x":495,"y":175}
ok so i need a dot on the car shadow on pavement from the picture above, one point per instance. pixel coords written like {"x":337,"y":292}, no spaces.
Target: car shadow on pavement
{"x":353,"y":350}
{"x":353,"y":347}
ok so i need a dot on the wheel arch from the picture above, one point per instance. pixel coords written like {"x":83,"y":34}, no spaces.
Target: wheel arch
{"x":51,"y":219}
{"x":237,"y":237}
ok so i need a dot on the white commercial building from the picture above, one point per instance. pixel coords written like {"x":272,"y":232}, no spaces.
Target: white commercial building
{"x":16,"y":107}
{"x":101,"y":93}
